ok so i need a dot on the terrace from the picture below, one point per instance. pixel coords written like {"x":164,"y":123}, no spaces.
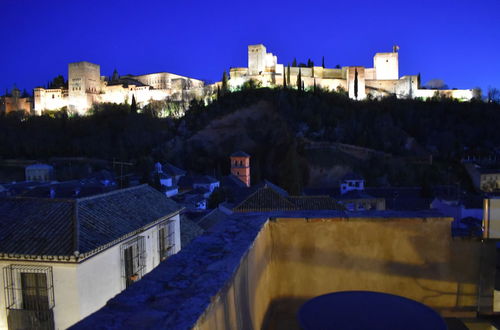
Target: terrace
{"x":254,"y":270}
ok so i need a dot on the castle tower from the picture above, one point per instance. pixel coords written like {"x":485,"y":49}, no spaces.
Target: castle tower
{"x":256,"y":59}
{"x":240,"y":166}
{"x":386,"y":65}
{"x":84,"y":85}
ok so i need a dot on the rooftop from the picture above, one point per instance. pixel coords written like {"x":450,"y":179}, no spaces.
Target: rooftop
{"x":60,"y":227}
{"x":240,"y":154}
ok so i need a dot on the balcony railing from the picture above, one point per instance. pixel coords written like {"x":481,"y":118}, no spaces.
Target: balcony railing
{"x":23,"y":319}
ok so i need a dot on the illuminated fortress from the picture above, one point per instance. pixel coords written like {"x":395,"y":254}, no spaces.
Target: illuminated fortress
{"x":360,"y":82}
{"x":86,"y":86}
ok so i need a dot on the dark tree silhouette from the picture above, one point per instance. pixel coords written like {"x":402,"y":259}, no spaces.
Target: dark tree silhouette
{"x":133,"y":105}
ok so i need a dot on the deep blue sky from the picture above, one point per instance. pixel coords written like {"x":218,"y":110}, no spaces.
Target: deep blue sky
{"x":454,"y":40}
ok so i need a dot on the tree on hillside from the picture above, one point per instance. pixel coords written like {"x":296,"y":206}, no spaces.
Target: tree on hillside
{"x":294,"y":63}
{"x":224,"y":86}
{"x":356,"y":84}
{"x":284,"y":78}
{"x":299,"y":81}
{"x":310,"y":63}
{"x":288,"y":75}
{"x":323,"y":62}
{"x":133,"y":105}
{"x":493,"y":95}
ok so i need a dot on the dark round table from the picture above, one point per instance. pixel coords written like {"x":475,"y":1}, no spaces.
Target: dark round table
{"x":367,"y":310}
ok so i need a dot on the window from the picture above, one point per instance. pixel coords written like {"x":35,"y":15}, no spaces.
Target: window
{"x":166,"y":239}
{"x":133,"y":256}
{"x":29,"y":294}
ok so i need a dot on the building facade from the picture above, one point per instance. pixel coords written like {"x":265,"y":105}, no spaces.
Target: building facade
{"x":15,"y":101}
{"x":72,"y":255}
{"x":86,"y":87}
{"x":381,"y":80}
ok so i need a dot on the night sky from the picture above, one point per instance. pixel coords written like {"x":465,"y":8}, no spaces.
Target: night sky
{"x":454,"y":40}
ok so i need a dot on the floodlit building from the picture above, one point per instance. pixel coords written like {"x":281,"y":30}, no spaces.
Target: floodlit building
{"x":15,"y":101}
{"x":62,"y":259}
{"x":86,"y":87}
{"x":383,"y":79}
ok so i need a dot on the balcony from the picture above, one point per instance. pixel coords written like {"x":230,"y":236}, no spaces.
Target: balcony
{"x":21,"y":319}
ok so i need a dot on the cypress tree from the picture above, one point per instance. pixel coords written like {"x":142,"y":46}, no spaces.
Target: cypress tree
{"x":288,"y":75}
{"x":294,"y":63}
{"x":356,"y":84}
{"x":284,"y":78}
{"x":224,"y":82}
{"x":323,"y":62}
{"x":133,"y":105}
{"x":299,"y":81}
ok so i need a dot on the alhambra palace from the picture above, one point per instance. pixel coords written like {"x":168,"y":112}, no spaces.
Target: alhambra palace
{"x":86,"y":86}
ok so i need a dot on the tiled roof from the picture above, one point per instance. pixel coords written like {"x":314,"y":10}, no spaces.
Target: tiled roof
{"x":240,"y":154}
{"x":315,"y":203}
{"x":172,"y":170}
{"x":59,"y":227}
{"x":211,"y":219}
{"x":204,"y":179}
{"x":355,"y":194}
{"x":268,"y":198}
{"x":265,"y":199}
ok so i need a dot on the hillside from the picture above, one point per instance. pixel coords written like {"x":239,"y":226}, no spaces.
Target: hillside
{"x":276,"y":127}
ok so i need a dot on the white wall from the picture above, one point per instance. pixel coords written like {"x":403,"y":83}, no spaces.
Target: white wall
{"x":386,"y":66}
{"x":81,"y":289}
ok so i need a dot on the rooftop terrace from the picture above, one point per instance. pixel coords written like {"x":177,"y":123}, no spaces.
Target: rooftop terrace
{"x":254,"y":270}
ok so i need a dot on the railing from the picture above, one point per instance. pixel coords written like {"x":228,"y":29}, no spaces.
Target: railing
{"x":30,"y":319}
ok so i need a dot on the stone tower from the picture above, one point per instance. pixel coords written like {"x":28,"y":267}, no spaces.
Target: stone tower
{"x":386,"y":65}
{"x":256,"y":59}
{"x":84,"y":85}
{"x":240,"y":166}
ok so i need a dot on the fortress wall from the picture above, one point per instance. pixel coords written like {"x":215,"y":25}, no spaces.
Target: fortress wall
{"x":49,"y":99}
{"x":461,"y":94}
{"x":334,"y":73}
{"x":351,"y":75}
{"x":380,"y":88}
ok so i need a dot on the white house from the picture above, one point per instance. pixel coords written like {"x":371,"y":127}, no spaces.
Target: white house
{"x":63,"y":259}
{"x":166,"y":181}
{"x":39,"y":172}
{"x":351,"y":182}
{"x":206,"y":182}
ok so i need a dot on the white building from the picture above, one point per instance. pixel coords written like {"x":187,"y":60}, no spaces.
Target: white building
{"x":86,"y":87}
{"x":63,"y":259}
{"x":381,"y":80}
{"x":39,"y":172}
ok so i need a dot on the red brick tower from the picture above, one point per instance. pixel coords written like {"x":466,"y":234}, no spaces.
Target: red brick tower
{"x":240,"y":166}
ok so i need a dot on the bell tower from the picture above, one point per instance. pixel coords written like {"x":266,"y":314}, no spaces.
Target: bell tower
{"x":240,"y":166}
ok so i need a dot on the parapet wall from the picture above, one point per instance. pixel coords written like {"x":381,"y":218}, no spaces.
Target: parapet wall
{"x":254,"y":271}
